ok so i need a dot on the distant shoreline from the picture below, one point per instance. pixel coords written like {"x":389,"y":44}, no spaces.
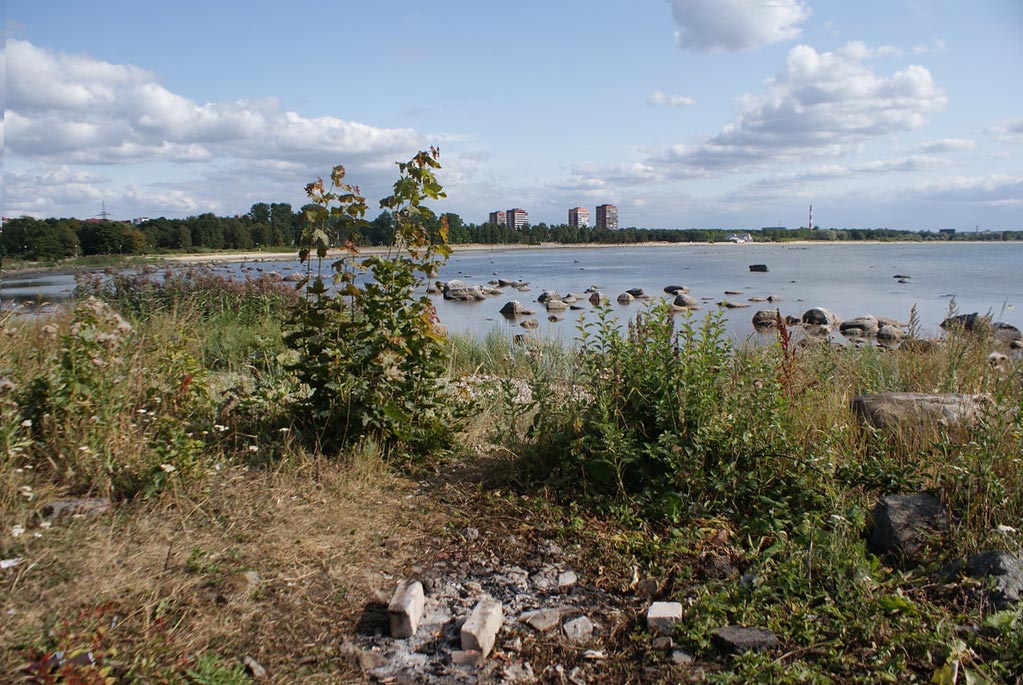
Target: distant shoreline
{"x":336,"y":253}
{"x":205,"y":258}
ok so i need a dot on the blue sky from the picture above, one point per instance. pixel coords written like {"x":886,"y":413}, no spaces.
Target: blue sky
{"x":684,"y":113}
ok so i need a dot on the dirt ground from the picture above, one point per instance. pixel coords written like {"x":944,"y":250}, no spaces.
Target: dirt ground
{"x":163,"y":582}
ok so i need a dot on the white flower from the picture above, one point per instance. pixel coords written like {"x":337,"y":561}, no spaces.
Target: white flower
{"x":168,"y":468}
{"x":45,"y":524}
{"x":220,"y":428}
{"x":253,"y":448}
{"x":17,"y":531}
{"x":1005,"y":530}
{"x":27,"y":423}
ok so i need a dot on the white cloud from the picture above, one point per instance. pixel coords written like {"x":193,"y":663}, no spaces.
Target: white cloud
{"x":736,"y":25}
{"x":1009,"y":131}
{"x":659,"y":97}
{"x":995,"y":190}
{"x":936,"y":46}
{"x":818,"y":105}
{"x":76,"y":108}
{"x":945,"y":145}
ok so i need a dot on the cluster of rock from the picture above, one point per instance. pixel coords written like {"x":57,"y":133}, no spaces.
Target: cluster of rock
{"x":908,"y":527}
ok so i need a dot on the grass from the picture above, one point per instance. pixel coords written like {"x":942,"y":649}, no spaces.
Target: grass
{"x":655,"y":450}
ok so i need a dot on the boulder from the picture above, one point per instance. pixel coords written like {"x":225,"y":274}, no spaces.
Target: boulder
{"x":638,"y":293}
{"x":624,"y":298}
{"x":758,"y":268}
{"x":728,"y":304}
{"x":861,"y":325}
{"x":530,"y":323}
{"x":906,"y":525}
{"x":556,"y":305}
{"x":888,"y":333}
{"x":972,"y":323}
{"x":1005,"y":574}
{"x":459,"y":291}
{"x":739,"y":639}
{"x":1006,"y":333}
{"x":548,"y":295}
{"x":774,"y":298}
{"x":819,"y":316}
{"x":914,"y":410}
{"x":685,"y":300}
{"x":766,"y":318}
{"x":675,"y":289}
{"x":513,"y":309}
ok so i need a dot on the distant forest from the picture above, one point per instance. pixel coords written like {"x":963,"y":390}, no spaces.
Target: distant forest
{"x":277,"y":226}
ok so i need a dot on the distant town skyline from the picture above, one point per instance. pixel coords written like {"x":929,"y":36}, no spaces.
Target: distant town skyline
{"x":681,"y":113}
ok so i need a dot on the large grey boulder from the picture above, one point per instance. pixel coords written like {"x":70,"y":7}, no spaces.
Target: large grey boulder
{"x":626,"y":298}
{"x":888,"y":333}
{"x":862,"y":325}
{"x":767,"y":318}
{"x":1005,"y":572}
{"x":972,"y":323}
{"x":685,"y":300}
{"x":916,"y":410}
{"x":548,"y":295}
{"x":1006,"y":332}
{"x":459,"y":291}
{"x":906,"y":525}
{"x":513,"y":309}
{"x":675,"y":289}
{"x":819,"y":316}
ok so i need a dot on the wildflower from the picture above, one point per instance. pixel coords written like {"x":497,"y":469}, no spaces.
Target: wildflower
{"x":27,"y":423}
{"x":168,"y":468}
{"x":17,"y":531}
{"x":284,"y":430}
{"x":45,"y":524}
{"x":253,"y":448}
{"x":26,"y":492}
{"x":1005,"y":530}
{"x":219,"y":428}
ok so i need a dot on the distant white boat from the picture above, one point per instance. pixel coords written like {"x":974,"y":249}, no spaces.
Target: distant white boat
{"x":740,"y":239}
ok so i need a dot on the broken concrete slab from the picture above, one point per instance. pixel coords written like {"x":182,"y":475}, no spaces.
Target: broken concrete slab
{"x":479,"y":632}
{"x":405,"y":609}
{"x":662,"y":616}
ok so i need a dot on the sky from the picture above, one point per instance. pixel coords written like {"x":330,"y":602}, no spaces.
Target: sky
{"x":904,"y":114}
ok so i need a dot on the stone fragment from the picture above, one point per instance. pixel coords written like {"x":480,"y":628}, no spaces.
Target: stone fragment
{"x":681,"y":657}
{"x":1005,"y":572}
{"x":662,"y":616}
{"x":85,"y":506}
{"x":512,"y":309}
{"x":566,"y":580}
{"x":739,"y":639}
{"x":466,"y":657}
{"x":479,"y":632}
{"x":253,"y":667}
{"x":647,"y":588}
{"x":578,"y":630}
{"x":758,"y":268}
{"x":766,"y":318}
{"x":542,"y":620}
{"x":663,"y":642}
{"x":530,"y":323}
{"x":905,"y":525}
{"x":405,"y":609}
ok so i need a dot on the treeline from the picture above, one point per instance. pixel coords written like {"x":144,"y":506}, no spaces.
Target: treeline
{"x":276,"y":225}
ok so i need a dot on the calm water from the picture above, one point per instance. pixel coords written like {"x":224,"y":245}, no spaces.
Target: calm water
{"x":849,"y":279}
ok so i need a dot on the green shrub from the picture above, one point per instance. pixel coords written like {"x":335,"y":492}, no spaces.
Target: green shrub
{"x":370,"y":352}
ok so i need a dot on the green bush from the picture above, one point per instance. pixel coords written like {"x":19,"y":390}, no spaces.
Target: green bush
{"x":370,"y":352}
{"x":674,"y":418}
